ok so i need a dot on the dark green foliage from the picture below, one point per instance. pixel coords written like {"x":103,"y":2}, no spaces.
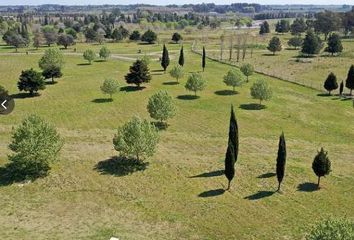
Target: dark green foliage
{"x":321,"y":165}
{"x":31,"y":81}
{"x":233,"y":133}
{"x":282,"y":26}
{"x":120,"y":33}
{"x":232,"y":149}
{"x":331,"y":83}
{"x":139,"y":73}
{"x":264,"y":28}
{"x":165,"y":59}
{"x":52,"y":72}
{"x":229,"y":164}
{"x":327,"y":22}
{"x":124,"y":32}
{"x":312,"y":44}
{"x":349,"y":83}
{"x":176,"y":37}
{"x":90,"y":35}
{"x":181,"y":57}
{"x":295,"y":42}
{"x":298,"y":26}
{"x":117,"y":35}
{"x":203,"y":59}
{"x":149,"y":37}
{"x":334,"y":44}
{"x":135,"y":36}
{"x":66,"y":40}
{"x":281,"y":159}
{"x":274,"y":45}
{"x":14,"y":39}
{"x":341,"y":88}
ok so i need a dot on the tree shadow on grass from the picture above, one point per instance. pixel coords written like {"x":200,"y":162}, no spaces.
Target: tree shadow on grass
{"x":187,"y":97}
{"x":226,"y":92}
{"x":160,"y":125}
{"x":83,"y":64}
{"x":50,"y":82}
{"x":209,"y":174}
{"x":212,"y":193}
{"x":100,"y":60}
{"x":102,"y":100}
{"x":346,"y":99}
{"x":145,"y":43}
{"x":23,"y":95}
{"x":120,"y":166}
{"x":324,"y":95}
{"x":158,"y":70}
{"x":131,"y":88}
{"x":260,"y":195}
{"x":252,"y":106}
{"x":170,"y":83}
{"x":267,"y":175}
{"x":307,"y":187}
{"x":269,"y":54}
{"x":10,"y":175}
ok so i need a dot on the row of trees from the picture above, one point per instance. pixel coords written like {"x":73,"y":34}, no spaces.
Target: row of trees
{"x":310,"y":45}
{"x":324,"y":23}
{"x":331,"y":83}
{"x":321,"y":164}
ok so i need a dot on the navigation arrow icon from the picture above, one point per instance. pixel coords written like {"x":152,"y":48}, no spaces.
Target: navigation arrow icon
{"x":3,"y":104}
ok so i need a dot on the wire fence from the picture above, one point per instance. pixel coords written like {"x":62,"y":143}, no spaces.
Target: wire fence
{"x":264,"y":71}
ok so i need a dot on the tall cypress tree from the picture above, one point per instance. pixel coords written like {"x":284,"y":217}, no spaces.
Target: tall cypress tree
{"x":281,"y":159}
{"x":165,"y":60}
{"x":181,"y":57}
{"x":232,"y":149}
{"x":233,"y":133}
{"x":349,"y":83}
{"x":341,"y":88}
{"x":229,"y":164}
{"x":203,"y":59}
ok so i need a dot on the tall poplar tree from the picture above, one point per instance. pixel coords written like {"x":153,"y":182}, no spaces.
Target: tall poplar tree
{"x":281,"y":160}
{"x":181,"y":57}
{"x":203,"y":59}
{"x":165,"y":60}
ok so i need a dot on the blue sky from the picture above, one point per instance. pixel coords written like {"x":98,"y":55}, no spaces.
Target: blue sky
{"x":164,"y":2}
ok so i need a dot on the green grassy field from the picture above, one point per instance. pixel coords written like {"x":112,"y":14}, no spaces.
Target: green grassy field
{"x":179,"y":193}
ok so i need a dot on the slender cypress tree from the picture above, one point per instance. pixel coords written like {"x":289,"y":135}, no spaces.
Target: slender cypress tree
{"x":281,"y":160}
{"x":165,"y":60}
{"x":229,"y":164}
{"x":181,"y":57}
{"x":203,"y":59}
{"x":341,"y":88}
{"x":233,"y":133}
{"x":349,"y":83}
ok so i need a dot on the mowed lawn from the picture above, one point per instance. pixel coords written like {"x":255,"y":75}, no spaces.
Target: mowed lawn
{"x":179,"y":194}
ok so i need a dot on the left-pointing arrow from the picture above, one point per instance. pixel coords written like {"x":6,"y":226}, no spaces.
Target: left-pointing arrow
{"x":3,"y":104}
